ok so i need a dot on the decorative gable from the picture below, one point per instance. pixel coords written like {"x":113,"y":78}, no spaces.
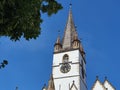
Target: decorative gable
{"x":108,"y":85}
{"x":73,"y":86}
{"x":102,"y":86}
{"x":98,"y":85}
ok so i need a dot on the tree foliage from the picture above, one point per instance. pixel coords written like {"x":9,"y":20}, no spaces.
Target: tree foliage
{"x":23,"y":17}
{"x":3,"y":64}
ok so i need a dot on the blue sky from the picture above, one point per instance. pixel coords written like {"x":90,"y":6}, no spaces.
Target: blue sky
{"x":98,"y":26}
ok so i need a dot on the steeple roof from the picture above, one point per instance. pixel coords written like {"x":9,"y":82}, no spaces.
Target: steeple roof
{"x":58,"y":40}
{"x":51,"y":84}
{"x":75,"y":37}
{"x":69,"y":31}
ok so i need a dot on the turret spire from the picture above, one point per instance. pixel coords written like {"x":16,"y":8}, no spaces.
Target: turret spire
{"x":57,"y":46}
{"x":69,"y":31}
{"x":51,"y":84}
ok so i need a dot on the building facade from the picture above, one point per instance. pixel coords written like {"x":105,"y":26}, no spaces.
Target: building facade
{"x":69,"y":64}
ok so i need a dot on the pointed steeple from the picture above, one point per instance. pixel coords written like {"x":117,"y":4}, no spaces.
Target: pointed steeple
{"x":58,"y":40}
{"x":45,"y":87}
{"x":69,"y":31}
{"x":76,"y":41}
{"x":70,"y":39}
{"x":75,"y":37}
{"x":51,"y":84}
{"x":57,"y":46}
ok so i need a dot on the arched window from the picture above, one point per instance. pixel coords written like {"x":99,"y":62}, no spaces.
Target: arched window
{"x":65,"y":58}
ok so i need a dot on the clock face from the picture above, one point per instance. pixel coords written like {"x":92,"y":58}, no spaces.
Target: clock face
{"x":65,"y":67}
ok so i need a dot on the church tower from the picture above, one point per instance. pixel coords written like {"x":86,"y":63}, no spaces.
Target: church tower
{"x":69,"y":65}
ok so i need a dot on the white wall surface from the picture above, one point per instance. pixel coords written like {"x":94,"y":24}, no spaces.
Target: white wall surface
{"x":63,"y":81}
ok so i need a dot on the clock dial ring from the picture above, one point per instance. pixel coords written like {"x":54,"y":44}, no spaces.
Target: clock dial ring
{"x":65,"y":67}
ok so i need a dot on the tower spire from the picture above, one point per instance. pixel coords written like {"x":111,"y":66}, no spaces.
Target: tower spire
{"x":67,"y":54}
{"x":69,"y":31}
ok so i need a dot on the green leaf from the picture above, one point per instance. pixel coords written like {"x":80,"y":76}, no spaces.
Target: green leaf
{"x":23,"y":17}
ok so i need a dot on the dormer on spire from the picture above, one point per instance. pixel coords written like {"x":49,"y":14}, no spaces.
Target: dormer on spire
{"x":69,"y":31}
{"x":57,"y":46}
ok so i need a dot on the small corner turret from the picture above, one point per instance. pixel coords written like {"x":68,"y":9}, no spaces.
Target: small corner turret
{"x":76,"y":41}
{"x":57,"y":46}
{"x":50,"y":85}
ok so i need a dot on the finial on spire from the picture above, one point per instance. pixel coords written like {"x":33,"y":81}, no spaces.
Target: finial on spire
{"x":73,"y":81}
{"x":97,"y":77}
{"x":16,"y":88}
{"x":44,"y":84}
{"x":44,"y":87}
{"x":70,"y":5}
{"x":58,"y":32}
{"x":75,"y":26}
{"x":105,"y":77}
